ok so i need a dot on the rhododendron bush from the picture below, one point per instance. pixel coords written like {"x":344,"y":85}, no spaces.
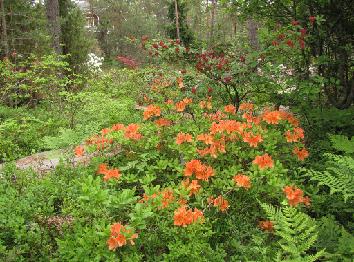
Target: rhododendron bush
{"x":195,"y":167}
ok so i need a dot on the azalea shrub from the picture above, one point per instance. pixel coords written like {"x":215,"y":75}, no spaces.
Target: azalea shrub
{"x":194,"y":172}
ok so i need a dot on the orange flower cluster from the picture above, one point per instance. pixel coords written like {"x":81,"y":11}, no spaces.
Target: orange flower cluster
{"x":108,"y":173}
{"x":230,"y":109}
{"x":246,"y":106}
{"x":181,"y":105}
{"x":184,"y":217}
{"x":272,"y":117}
{"x":99,"y":140}
{"x":264,"y":161}
{"x":251,"y":119}
{"x":132,"y":132}
{"x":79,"y":151}
{"x":206,"y":104}
{"x":228,"y":126}
{"x":220,"y":202}
{"x":297,"y":134}
{"x":183,"y":137}
{"x":152,"y":110}
{"x":216,"y":145}
{"x":295,"y":196}
{"x":266,"y":225}
{"x":163,"y":122}
{"x":166,"y":196}
{"x":119,"y":236}
{"x":192,"y":186}
{"x":202,"y":172}
{"x":252,"y":139}
{"x":242,"y":181}
{"x":301,"y":153}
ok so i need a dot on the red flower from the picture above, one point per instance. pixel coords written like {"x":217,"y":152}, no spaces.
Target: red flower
{"x":303,"y":32}
{"x":194,"y":90}
{"x":290,"y":43}
{"x":210,"y":90}
{"x":242,"y":59}
{"x":281,"y":36}
{"x":312,"y":19}
{"x":275,"y":43}
{"x":156,"y":46}
{"x":302,"y":43}
{"x":295,"y":22}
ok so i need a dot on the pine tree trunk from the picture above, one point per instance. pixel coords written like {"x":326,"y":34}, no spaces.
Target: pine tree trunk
{"x":52,"y":10}
{"x":4,"y":29}
{"x":177,"y":19}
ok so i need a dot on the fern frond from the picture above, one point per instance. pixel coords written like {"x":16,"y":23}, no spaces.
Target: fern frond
{"x":338,"y":175}
{"x":342,"y":143}
{"x":297,"y":232}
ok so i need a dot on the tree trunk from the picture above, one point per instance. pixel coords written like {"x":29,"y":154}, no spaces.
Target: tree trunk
{"x":177,"y":19}
{"x":252,"y":28}
{"x":52,"y":10}
{"x":212,"y":23}
{"x":4,"y":29}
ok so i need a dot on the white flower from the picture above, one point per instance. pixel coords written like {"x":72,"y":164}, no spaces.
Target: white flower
{"x":94,"y":63}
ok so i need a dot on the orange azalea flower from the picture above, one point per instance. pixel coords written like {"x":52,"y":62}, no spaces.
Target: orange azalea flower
{"x":183,"y":216}
{"x":230,"y":109}
{"x":206,"y":138}
{"x":272,"y":117}
{"x":306,"y":200}
{"x":118,"y":127}
{"x":295,"y":196}
{"x":291,"y":137}
{"x":163,"y":122}
{"x":205,"y":105}
{"x":264,"y":161}
{"x":167,"y":197}
{"x":193,"y":187}
{"x":152,"y":110}
{"x":131,"y":132}
{"x":169,"y":102}
{"x":299,"y":132}
{"x":266,"y":225}
{"x":105,"y":131}
{"x":202,"y":172}
{"x":180,"y":106}
{"x":246,"y":106}
{"x":228,"y":126}
{"x":102,"y":169}
{"x":252,"y":139}
{"x":180,"y":82}
{"x":301,"y":153}
{"x":183,"y":137}
{"x":119,"y":236}
{"x":221,"y":203}
{"x":79,"y":151}
{"x":242,"y":181}
{"x":112,"y":173}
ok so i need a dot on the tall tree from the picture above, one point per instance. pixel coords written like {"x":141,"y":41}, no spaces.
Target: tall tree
{"x":4,"y":29}
{"x":177,"y":19}
{"x":52,"y":10}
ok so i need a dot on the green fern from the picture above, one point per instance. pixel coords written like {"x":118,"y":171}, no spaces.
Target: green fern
{"x":338,"y":175}
{"x":297,"y":231}
{"x":342,"y":143}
